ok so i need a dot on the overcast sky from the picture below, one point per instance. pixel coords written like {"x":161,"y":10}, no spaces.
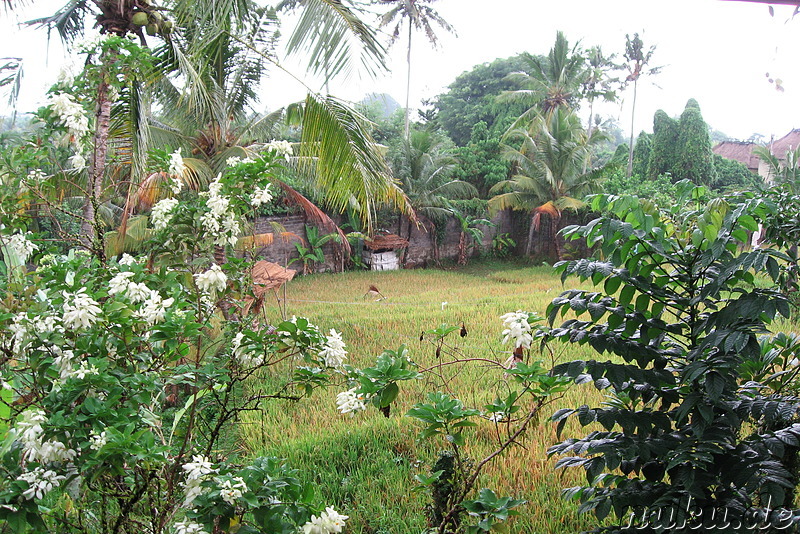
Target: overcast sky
{"x":717,"y":52}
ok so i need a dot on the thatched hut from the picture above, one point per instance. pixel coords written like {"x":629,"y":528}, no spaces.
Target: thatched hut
{"x":381,"y":252}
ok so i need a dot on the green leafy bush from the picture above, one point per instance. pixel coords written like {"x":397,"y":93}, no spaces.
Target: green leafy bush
{"x":683,"y":441}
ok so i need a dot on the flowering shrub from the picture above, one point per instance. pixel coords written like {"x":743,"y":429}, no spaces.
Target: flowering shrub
{"x":120,"y":381}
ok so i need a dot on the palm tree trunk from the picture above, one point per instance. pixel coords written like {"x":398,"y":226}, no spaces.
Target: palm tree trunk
{"x":630,"y":147}
{"x":555,"y":222}
{"x":408,"y":76}
{"x":529,"y":244}
{"x":589,"y":134}
{"x":462,"y":249}
{"x":91,"y":235}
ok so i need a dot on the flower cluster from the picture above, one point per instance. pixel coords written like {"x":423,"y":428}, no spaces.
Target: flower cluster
{"x":328,"y":522}
{"x":261,"y":196}
{"x":231,"y":489}
{"x":161,"y":213}
{"x":97,"y":441}
{"x":351,"y":402}
{"x":212,"y":280}
{"x":70,"y":114}
{"x":176,"y":169}
{"x":280,"y":147}
{"x":80,"y":310}
{"x":20,"y":246}
{"x":40,"y":482}
{"x":233,"y":161}
{"x":219,"y":223}
{"x":187,"y":526}
{"x":244,"y":353}
{"x":517,"y":329}
{"x":197,"y":471}
{"x":333,"y":350}
{"x":154,"y":309}
{"x":77,"y":162}
{"x":176,"y":165}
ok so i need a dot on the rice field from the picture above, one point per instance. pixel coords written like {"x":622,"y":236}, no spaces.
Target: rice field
{"x":365,"y":465}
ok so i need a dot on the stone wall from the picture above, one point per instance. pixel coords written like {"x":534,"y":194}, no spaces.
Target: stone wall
{"x":420,"y":253}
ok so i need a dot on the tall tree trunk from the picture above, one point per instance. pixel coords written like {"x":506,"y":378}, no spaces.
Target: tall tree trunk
{"x":555,"y":222}
{"x":462,"y":249}
{"x":408,"y":77}
{"x":529,"y":244}
{"x":91,"y":234}
{"x":589,"y":134}
{"x":630,"y":147}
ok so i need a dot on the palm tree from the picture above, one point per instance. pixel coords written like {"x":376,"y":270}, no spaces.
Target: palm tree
{"x":637,"y":58}
{"x":548,"y":176}
{"x":418,"y":16}
{"x":425,"y":167}
{"x":113,"y":17}
{"x":551,"y":82}
{"x":336,"y":144}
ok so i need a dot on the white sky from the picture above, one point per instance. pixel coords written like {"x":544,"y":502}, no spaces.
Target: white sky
{"x":717,"y":52}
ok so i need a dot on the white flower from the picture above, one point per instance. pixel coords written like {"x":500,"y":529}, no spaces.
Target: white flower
{"x":261,"y":196}
{"x":138,"y":292}
{"x":187,"y":526}
{"x":198,"y":470}
{"x":80,"y":310}
{"x":40,"y":482}
{"x":496,"y":417}
{"x":161,"y":213}
{"x":20,"y":246}
{"x":64,"y":362}
{"x":51,"y":451}
{"x":77,"y":162}
{"x":282,"y":148}
{"x":127,"y":259}
{"x":154,"y":309}
{"x":97,"y":441}
{"x":233,"y":161}
{"x":350,"y":402}
{"x":212,"y":280}
{"x":36,"y":176}
{"x":85,"y":370}
{"x":333,"y":351}
{"x":30,"y":428}
{"x":230,"y":491}
{"x":120,"y":282}
{"x":244,"y":354}
{"x":70,"y":114}
{"x":66,"y":74}
{"x":176,"y":165}
{"x":328,"y":522}
{"x":517,"y":329}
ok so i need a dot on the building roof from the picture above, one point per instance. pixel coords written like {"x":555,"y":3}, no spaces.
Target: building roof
{"x":786,"y":143}
{"x":741,"y":151}
{"x":385,"y":242}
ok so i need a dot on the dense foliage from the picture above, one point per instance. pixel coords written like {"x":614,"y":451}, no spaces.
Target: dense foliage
{"x":684,"y":442}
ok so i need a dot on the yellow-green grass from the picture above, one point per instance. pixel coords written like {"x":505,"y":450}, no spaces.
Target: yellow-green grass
{"x":365,"y":465}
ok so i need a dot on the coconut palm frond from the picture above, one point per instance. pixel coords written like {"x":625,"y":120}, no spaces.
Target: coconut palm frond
{"x":68,"y":21}
{"x":347,"y":167}
{"x":335,"y":39}
{"x":129,"y":239}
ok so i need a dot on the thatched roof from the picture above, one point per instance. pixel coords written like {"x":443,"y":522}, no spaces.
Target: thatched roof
{"x":786,"y":143}
{"x":741,"y":151}
{"x":385,"y":242}
{"x":268,"y":275}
